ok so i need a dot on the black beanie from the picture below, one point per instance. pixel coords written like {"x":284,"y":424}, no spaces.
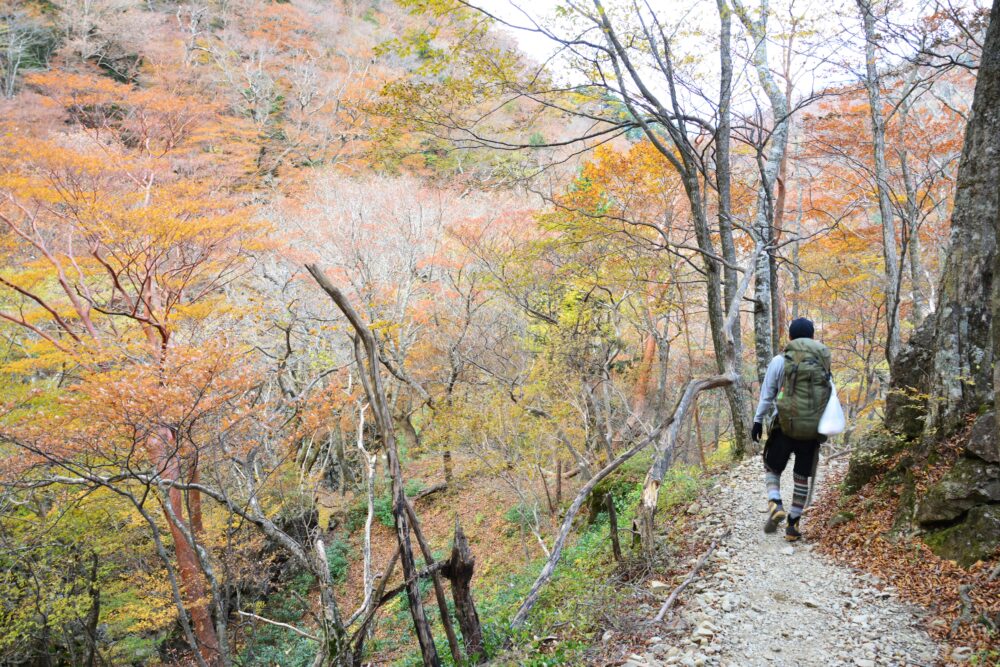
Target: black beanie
{"x":800,"y":328}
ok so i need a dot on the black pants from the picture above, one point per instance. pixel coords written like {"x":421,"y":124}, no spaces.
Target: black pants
{"x":779,"y":447}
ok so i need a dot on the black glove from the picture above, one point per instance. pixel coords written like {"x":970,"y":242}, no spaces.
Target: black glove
{"x":756,"y":431}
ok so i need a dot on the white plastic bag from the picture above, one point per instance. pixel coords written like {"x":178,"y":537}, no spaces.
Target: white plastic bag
{"x":833,"y":421}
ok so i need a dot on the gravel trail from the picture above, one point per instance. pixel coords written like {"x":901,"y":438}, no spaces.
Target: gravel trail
{"x":763,"y":601}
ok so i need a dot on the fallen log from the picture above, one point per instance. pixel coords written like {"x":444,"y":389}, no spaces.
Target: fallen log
{"x":567,"y":524}
{"x":691,"y":577}
{"x":423,"y":493}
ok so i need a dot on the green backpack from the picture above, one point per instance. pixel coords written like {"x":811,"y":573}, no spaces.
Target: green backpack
{"x":805,"y":389}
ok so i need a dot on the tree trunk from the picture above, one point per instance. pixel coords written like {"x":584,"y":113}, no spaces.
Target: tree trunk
{"x":740,"y":409}
{"x":559,"y":474}
{"x":891,"y":257}
{"x":193,"y":587}
{"x":920,"y":308}
{"x":921,"y":305}
{"x":777,"y":310}
{"x":399,"y":507}
{"x":739,"y":404}
{"x":425,"y":549}
{"x":94,"y":615}
{"x":366,"y":568}
{"x":766,"y":270}
{"x":447,"y":464}
{"x":796,"y":286}
{"x":338,"y":435}
{"x":220,"y":654}
{"x":723,"y":163}
{"x":762,"y":326}
{"x":334,"y":647}
{"x":196,"y":598}
{"x":662,"y":371}
{"x":779,"y":303}
{"x":640,"y":396}
{"x":739,"y":401}
{"x":699,"y":437}
{"x":193,"y":498}
{"x":616,"y":547}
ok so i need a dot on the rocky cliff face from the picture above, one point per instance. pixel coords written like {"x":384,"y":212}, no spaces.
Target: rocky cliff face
{"x":947,"y":370}
{"x":959,"y":515}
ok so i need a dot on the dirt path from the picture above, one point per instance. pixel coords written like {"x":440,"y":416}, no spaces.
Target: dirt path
{"x":762,"y":601}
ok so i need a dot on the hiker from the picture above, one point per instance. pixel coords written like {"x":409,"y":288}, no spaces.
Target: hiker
{"x":798,"y":383}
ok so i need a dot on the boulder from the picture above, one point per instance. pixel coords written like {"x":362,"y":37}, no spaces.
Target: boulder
{"x":870,"y":458}
{"x":973,"y":540}
{"x":983,"y":442}
{"x":970,"y":482}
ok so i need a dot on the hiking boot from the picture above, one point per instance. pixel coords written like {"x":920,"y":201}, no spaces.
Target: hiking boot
{"x":776,"y":514}
{"x":792,"y":533}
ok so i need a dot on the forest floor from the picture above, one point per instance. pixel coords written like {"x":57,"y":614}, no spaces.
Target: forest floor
{"x":762,"y":601}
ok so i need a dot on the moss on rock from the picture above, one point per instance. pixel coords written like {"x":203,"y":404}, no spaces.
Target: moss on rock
{"x":903,"y":521}
{"x":970,"y":482}
{"x":975,"y":539}
{"x":840,"y":518}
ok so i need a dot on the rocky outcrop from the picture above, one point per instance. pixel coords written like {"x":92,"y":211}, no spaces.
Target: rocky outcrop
{"x":961,"y":512}
{"x":870,"y":458}
{"x":962,"y":376}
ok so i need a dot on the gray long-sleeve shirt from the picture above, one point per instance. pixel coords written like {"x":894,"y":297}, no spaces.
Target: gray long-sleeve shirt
{"x":770,"y":387}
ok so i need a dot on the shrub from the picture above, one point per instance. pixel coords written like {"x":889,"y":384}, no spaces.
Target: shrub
{"x":383,"y":503}
{"x":337,"y":557}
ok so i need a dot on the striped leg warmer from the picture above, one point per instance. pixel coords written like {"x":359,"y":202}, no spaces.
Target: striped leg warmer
{"x":773,"y":482}
{"x":799,"y":495}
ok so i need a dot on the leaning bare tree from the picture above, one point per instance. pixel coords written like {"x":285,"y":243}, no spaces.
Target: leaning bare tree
{"x":663,"y":453}
{"x":459,"y":568}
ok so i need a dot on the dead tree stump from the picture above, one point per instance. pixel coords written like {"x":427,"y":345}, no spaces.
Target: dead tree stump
{"x":460,"y":573}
